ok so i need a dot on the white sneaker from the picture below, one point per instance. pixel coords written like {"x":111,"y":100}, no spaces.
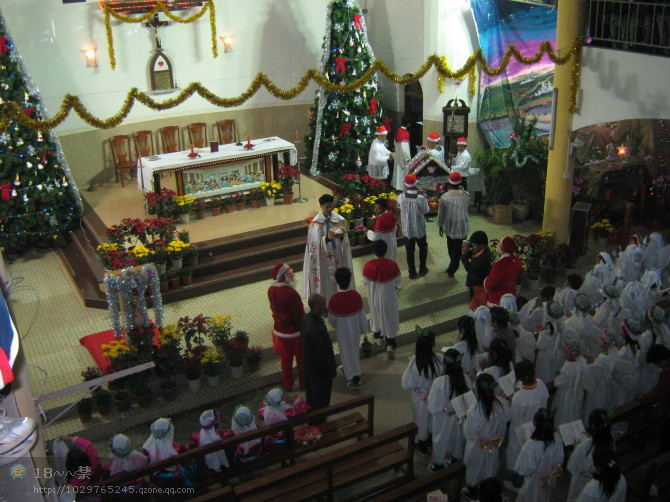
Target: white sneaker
{"x":340,"y":370}
{"x":390,"y":352}
{"x":13,"y":432}
{"x":20,"y":452}
{"x":510,"y":486}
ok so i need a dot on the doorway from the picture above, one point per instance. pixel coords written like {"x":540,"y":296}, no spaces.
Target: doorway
{"x":414,"y":112}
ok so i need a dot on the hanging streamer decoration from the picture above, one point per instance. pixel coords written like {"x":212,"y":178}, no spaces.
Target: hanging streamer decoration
{"x":160,"y":7}
{"x":131,"y":285}
{"x":15,"y":111}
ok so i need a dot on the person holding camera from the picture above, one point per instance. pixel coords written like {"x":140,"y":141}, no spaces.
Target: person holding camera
{"x":476,"y":260}
{"x":453,"y":220}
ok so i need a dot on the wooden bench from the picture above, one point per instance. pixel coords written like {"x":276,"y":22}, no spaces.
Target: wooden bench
{"x":652,"y":472}
{"x":643,"y":419}
{"x":419,"y":488}
{"x":352,"y":424}
{"x":334,"y":471}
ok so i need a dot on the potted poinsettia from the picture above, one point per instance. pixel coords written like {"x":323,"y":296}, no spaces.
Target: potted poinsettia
{"x":254,"y":356}
{"x":211,"y":366}
{"x":255,"y":197}
{"x":236,"y":352}
{"x":287,"y":177}
{"x":85,"y":409}
{"x":103,"y":401}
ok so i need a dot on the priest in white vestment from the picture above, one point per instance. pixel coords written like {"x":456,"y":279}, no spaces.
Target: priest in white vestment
{"x":379,"y":155}
{"x":382,"y":277}
{"x":327,"y":250}
{"x":402,"y":156}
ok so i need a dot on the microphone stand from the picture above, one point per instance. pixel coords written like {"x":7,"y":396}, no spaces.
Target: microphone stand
{"x":300,"y":198}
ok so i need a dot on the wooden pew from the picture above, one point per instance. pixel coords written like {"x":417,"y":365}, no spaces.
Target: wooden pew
{"x":350,"y":425}
{"x":640,"y":479}
{"x":331,"y":472}
{"x":419,"y":488}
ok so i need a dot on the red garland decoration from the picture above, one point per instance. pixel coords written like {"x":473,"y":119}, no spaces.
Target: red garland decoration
{"x":373,"y":106}
{"x":3,"y":45}
{"x":340,"y":65}
{"x":344,"y":130}
{"x":6,"y":191}
{"x":357,"y":21}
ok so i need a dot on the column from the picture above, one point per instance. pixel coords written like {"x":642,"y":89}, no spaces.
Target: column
{"x":558,"y":193}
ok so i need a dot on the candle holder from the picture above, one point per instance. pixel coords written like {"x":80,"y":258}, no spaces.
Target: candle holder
{"x":300,"y":198}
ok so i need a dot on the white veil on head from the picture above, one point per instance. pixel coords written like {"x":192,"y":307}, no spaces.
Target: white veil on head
{"x":208,"y":421}
{"x":629,"y":263}
{"x":275,"y":407}
{"x":483,"y":326}
{"x":159,"y":444}
{"x":243,"y":421}
{"x":651,"y":287}
{"x":508,"y":302}
{"x":633,"y":300}
{"x":122,"y":456}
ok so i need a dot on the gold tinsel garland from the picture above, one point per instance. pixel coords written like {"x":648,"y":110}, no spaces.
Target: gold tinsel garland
{"x":15,"y":111}
{"x":160,"y":6}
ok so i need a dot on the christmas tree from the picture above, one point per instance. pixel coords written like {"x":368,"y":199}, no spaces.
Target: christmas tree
{"x":343,"y":124}
{"x":39,"y":201}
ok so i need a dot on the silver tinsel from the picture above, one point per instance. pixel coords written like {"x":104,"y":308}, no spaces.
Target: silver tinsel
{"x":134,"y":305}
{"x":41,"y":109}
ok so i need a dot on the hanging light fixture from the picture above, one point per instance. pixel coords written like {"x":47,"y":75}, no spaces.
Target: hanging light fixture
{"x":90,"y":55}
{"x":227,"y":41}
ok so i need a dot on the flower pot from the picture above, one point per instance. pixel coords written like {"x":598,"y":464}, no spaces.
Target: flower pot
{"x":353,"y":241}
{"x":191,"y":261}
{"x":169,"y":390}
{"x":174,"y":282}
{"x":104,"y":408}
{"x":358,"y":222}
{"x":165,"y":285}
{"x":194,"y":385}
{"x":201,"y":214}
{"x":489,"y":210}
{"x":236,"y":371}
{"x":85,"y":417}
{"x":186,"y":280}
{"x":122,"y":404}
{"x":176,"y":264}
{"x":532,"y":283}
{"x":602,"y":241}
{"x":269,"y":201}
{"x":213,"y":380}
{"x":288,"y":198}
{"x":520,"y":210}
{"x":144,"y":400}
{"x":230,"y":208}
{"x":254,"y":367}
{"x":241,"y":206}
{"x":255,"y":204}
{"x":161,"y":267}
{"x":185,"y":217}
{"x":216,"y":211}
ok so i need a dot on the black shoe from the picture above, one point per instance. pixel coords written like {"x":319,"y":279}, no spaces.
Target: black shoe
{"x":435,"y":467}
{"x":377,"y":335}
{"x":423,"y":272}
{"x":423,"y":450}
{"x":412,"y":275}
{"x":450,"y":275}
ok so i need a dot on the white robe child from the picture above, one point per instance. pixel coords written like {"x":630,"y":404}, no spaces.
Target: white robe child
{"x":525,"y":344}
{"x":420,"y":385}
{"x":382,"y":277}
{"x":569,"y":399}
{"x":545,"y":368}
{"x":599,"y":384}
{"x":532,"y":314}
{"x":588,"y":332}
{"x":627,"y":374}
{"x":610,"y":314}
{"x":347,"y":316}
{"x":448,"y":439}
{"x":323,"y":258}
{"x":483,"y":327}
{"x":482,"y":456}
{"x":539,"y":465}
{"x":592,"y":492}
{"x":580,"y":467}
{"x":378,"y":160}
{"x":648,"y":372}
{"x":467,"y":362}
{"x":525,"y":403}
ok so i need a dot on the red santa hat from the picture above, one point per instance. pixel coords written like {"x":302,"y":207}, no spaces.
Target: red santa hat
{"x":507,"y":245}
{"x":434,"y":137}
{"x":410,"y":180}
{"x":279,"y":271}
{"x":381,"y":131}
{"x":462,"y":141}
{"x":455,"y":178}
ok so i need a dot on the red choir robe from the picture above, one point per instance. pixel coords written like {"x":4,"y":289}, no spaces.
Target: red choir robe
{"x":347,"y":316}
{"x":385,"y":228}
{"x":382,"y":277}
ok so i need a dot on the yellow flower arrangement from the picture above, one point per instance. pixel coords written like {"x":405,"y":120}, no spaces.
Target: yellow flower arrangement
{"x":176,"y":248}
{"x":141,"y":251}
{"x":603,"y":228}
{"x":344,"y":210}
{"x":106,"y":246}
{"x":184,"y":200}
{"x":169,"y":334}
{"x":219,"y":329}
{"x":210,"y":356}
{"x":115,"y":348}
{"x":270,"y":188}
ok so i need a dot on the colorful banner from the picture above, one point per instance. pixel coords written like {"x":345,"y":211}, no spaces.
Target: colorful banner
{"x":521,"y":90}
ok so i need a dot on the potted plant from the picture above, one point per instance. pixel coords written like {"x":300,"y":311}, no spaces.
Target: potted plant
{"x":270,"y":190}
{"x":240,"y":201}
{"x":190,"y":255}
{"x":175,"y":250}
{"x":215,"y":206}
{"x":85,"y":409}
{"x":236,"y":351}
{"x":218,"y":331}
{"x":160,"y":259}
{"x":353,"y":237}
{"x":122,"y":400}
{"x":185,"y":275}
{"x":255,"y":196}
{"x":164,"y":279}
{"x":143,"y":394}
{"x":183,"y":206}
{"x":91,"y":373}
{"x":184,"y":236}
{"x":174,"y":278}
{"x":602,"y":229}
{"x":254,"y":355}
{"x":211,"y":366}
{"x":229,"y":204}
{"x":168,"y":390}
{"x":361,"y":233}
{"x":201,"y":209}
{"x":287,"y":176}
{"x":193,"y":372}
{"x":243,"y":338}
{"x":103,"y":401}
{"x":167,"y":358}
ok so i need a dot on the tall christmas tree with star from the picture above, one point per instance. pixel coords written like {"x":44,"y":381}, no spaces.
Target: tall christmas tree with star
{"x":39,"y":202}
{"x":343,"y":123}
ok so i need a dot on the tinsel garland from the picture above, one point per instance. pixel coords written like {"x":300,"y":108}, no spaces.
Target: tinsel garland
{"x":160,"y":6}
{"x":132,"y":284}
{"x":515,"y":158}
{"x":15,"y":111}
{"x":41,"y":110}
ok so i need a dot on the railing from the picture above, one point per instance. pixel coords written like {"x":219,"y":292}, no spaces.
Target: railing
{"x":629,"y":25}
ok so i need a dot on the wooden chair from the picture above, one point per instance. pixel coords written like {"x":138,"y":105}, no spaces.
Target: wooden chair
{"x":170,"y":138}
{"x":144,"y":143}
{"x":197,"y":134}
{"x":227,"y":131}
{"x":121,"y":155}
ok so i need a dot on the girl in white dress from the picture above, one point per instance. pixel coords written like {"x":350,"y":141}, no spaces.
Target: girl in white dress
{"x":422,"y":369}
{"x":608,"y":484}
{"x":657,"y":333}
{"x":540,"y":460}
{"x":598,"y":378}
{"x":532,"y":396}
{"x":467,"y":345}
{"x":580,"y":465}
{"x":483,"y":327}
{"x":448,"y":440}
{"x":628,"y":356}
{"x":525,"y":341}
{"x":569,"y":399}
{"x":508,"y":302}
{"x":588,"y":332}
{"x":633,"y":300}
{"x":546,"y":340}
{"x":500,"y":360}
{"x":656,"y":254}
{"x":652,"y":288}
{"x":484,"y":431}
{"x":610,"y":314}
{"x":532,"y":313}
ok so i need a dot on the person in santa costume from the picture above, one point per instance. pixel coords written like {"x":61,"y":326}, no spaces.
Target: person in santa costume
{"x":378,"y":157}
{"x":327,"y":249}
{"x":413,"y":209}
{"x":347,"y":315}
{"x":504,"y":273}
{"x":287,"y":311}
{"x":382,"y":276}
{"x":385,"y":228}
{"x":461,"y":163}
{"x":434,"y":148}
{"x":452,"y":219}
{"x":402,"y":155}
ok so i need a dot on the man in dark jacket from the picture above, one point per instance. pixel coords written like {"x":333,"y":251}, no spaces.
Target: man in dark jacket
{"x":318,"y":356}
{"x":476,"y":259}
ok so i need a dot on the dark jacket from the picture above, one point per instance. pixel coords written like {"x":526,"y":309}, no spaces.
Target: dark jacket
{"x":317,"y":349}
{"x":477,"y":267}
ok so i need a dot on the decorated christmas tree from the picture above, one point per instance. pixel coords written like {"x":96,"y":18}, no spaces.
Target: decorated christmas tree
{"x":39,"y":201}
{"x":343,"y":124}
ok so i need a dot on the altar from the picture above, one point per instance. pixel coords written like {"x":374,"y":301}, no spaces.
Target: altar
{"x":231,"y":169}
